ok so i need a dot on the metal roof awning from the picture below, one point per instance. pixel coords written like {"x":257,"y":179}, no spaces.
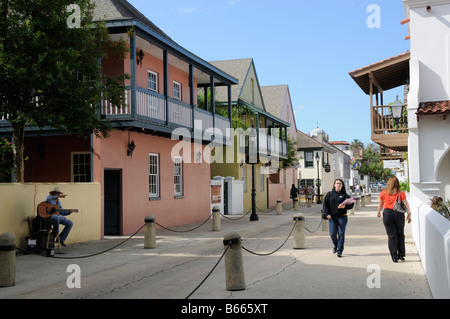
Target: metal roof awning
{"x":387,"y":74}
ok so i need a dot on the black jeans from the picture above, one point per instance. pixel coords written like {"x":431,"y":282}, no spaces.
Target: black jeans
{"x":395,"y":225}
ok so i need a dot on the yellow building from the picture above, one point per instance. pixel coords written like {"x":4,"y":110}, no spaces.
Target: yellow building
{"x":270,"y":133}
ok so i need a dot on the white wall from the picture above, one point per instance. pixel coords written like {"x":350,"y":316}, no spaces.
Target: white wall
{"x":429,"y":136}
{"x":431,"y":29}
{"x":431,"y":233}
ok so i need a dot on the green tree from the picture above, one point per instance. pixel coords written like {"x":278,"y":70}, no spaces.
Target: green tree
{"x":50,"y":73}
{"x":292,"y":157}
{"x":355,"y":143}
{"x":371,"y":165}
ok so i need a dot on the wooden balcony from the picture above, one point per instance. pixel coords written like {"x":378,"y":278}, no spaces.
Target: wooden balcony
{"x":384,"y":130}
{"x":374,"y":80}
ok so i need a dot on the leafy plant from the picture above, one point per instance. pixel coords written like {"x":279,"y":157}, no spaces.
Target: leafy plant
{"x":404,"y":186}
{"x":443,"y":208}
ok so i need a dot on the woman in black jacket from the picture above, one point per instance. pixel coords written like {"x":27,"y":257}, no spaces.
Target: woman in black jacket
{"x":336,"y":212}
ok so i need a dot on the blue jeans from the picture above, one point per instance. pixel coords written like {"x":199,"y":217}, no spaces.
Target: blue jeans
{"x":337,"y":227}
{"x":58,"y":219}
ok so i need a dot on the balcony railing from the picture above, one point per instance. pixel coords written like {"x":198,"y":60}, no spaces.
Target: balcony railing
{"x":386,"y":132}
{"x":151,"y":108}
{"x":383,"y":121}
{"x":268,"y":145}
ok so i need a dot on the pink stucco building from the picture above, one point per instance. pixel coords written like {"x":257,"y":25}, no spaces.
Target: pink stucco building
{"x":141,"y":167}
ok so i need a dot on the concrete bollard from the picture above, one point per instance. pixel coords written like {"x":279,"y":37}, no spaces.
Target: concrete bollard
{"x":150,"y":232}
{"x":299,"y":231}
{"x":363,"y":201}
{"x":296,"y":206}
{"x":358,"y":203}
{"x":7,"y":260}
{"x":351,"y":211}
{"x":368,"y":198}
{"x":216,"y":226}
{"x":309,"y":201}
{"x":234,"y":266}
{"x":279,"y":207}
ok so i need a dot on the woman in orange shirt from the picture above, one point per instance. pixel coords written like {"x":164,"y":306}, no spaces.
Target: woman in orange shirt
{"x":394,"y":222}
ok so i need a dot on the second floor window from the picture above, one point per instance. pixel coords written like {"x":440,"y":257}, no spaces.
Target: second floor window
{"x":177,"y":91}
{"x":152,"y":81}
{"x":309,"y":159}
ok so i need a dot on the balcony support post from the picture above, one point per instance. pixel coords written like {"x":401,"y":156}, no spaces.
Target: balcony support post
{"x":213,"y":102}
{"x":166,"y":84}
{"x":230,"y":106}
{"x":133,"y":74}
{"x":192,"y":92}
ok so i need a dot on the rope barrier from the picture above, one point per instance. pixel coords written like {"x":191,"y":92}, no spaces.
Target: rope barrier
{"x":183,"y":231}
{"x":237,"y":217}
{"x":268,"y":211}
{"x":267,"y":254}
{"x":316,"y":228}
{"x":201,"y":283}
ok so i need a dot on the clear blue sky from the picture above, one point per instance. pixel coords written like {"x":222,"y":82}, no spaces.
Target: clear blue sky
{"x":309,"y":45}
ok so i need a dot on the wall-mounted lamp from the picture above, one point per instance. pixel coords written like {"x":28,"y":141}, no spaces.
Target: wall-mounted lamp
{"x":140,"y":57}
{"x":130,"y":149}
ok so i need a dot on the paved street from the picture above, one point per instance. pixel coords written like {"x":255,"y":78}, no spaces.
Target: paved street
{"x":182,"y":260}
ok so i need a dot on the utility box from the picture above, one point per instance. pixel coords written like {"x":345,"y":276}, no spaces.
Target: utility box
{"x":234,"y":196}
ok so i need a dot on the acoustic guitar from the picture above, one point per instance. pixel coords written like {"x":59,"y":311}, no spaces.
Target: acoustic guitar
{"x":45,"y":210}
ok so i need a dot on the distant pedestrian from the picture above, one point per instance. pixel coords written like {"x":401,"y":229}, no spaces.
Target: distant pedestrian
{"x":294,"y":192}
{"x":336,"y":212}
{"x":394,"y":221}
{"x":311,"y":193}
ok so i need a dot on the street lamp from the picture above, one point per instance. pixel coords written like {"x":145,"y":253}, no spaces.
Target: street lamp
{"x":253,"y":159}
{"x":397,"y":111}
{"x":318,"y":179}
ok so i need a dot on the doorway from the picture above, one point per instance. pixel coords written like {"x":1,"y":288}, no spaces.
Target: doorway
{"x":112,"y":201}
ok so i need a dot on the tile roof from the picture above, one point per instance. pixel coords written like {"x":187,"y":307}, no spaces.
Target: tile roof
{"x":434,"y":108}
{"x":339,"y":143}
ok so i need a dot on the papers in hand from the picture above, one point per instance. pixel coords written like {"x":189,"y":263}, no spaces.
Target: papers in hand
{"x":348,"y":201}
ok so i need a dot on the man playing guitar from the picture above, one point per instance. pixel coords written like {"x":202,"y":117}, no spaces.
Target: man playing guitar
{"x":59,"y":218}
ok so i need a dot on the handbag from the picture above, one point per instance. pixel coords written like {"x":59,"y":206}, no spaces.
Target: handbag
{"x":399,"y":206}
